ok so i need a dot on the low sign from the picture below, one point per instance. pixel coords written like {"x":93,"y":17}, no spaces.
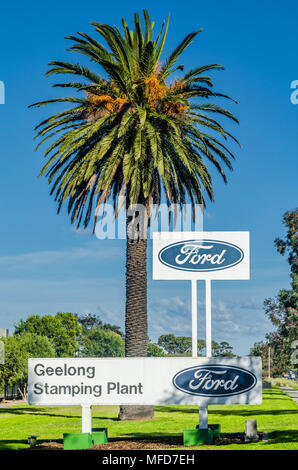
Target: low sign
{"x":200,"y":255}
{"x":145,"y":381}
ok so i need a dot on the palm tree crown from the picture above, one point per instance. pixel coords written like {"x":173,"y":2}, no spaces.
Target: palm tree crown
{"x":133,"y":132}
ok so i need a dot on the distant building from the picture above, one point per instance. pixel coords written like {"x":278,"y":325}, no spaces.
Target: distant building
{"x":4,"y":333}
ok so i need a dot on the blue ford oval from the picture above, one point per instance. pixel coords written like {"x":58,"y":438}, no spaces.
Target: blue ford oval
{"x":200,"y":255}
{"x":214,"y":380}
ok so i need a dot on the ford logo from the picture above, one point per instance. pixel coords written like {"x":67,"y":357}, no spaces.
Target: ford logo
{"x":214,"y":380}
{"x":201,"y":255}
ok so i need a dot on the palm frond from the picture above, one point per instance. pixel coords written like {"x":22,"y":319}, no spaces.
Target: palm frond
{"x":128,"y":132}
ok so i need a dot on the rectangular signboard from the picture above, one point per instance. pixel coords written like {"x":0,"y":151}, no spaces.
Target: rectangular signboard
{"x":145,"y":381}
{"x":200,"y":255}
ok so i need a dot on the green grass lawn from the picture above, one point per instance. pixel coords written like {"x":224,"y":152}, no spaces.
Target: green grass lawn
{"x":278,"y":415}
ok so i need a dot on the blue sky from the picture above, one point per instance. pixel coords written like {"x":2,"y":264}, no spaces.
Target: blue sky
{"x":46,"y":266}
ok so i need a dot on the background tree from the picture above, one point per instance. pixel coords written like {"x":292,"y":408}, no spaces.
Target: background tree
{"x":223,"y":349}
{"x":98,"y":342}
{"x":89,"y":321}
{"x":182,"y":345}
{"x":283,"y":309}
{"x":175,"y":345}
{"x":132,"y":132}
{"x":62,"y":329}
{"x":154,"y":350}
{"x":18,"y":349}
{"x":99,"y":339}
{"x":172,"y":345}
{"x":261,"y":349}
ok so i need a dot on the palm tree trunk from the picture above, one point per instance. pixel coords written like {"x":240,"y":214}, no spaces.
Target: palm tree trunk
{"x":136,"y":324}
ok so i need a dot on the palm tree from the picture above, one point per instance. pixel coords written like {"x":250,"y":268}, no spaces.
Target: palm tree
{"x":133,"y":132}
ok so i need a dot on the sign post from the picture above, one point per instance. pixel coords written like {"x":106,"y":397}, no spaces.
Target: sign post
{"x":194,"y":317}
{"x":203,"y":410}
{"x":86,"y":418}
{"x":201,"y":256}
{"x":208,"y":318}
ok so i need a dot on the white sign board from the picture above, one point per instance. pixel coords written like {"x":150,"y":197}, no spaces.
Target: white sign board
{"x":200,"y":255}
{"x":145,"y":381}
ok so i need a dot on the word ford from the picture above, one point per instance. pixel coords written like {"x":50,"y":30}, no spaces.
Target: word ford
{"x":214,"y":380}
{"x":205,"y":381}
{"x":193,"y":256}
{"x":201,"y":255}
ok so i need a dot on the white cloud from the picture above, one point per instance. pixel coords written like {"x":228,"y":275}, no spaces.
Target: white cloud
{"x":57,"y":256}
{"x":229,"y":319}
{"x":250,"y":304}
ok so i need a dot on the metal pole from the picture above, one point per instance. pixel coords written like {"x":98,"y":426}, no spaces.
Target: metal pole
{"x":269,"y":362}
{"x":194,"y":317}
{"x":203,"y":417}
{"x":203,"y":410}
{"x":86,"y":418}
{"x":208,"y":319}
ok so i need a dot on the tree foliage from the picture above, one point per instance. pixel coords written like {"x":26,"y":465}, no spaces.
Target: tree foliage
{"x":283,"y":309}
{"x":99,"y":339}
{"x":223,"y":349}
{"x":182,"y":345}
{"x":99,"y":342}
{"x":18,"y":349}
{"x":154,"y":350}
{"x":90,"y":320}
{"x":62,"y":329}
{"x":134,"y":127}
